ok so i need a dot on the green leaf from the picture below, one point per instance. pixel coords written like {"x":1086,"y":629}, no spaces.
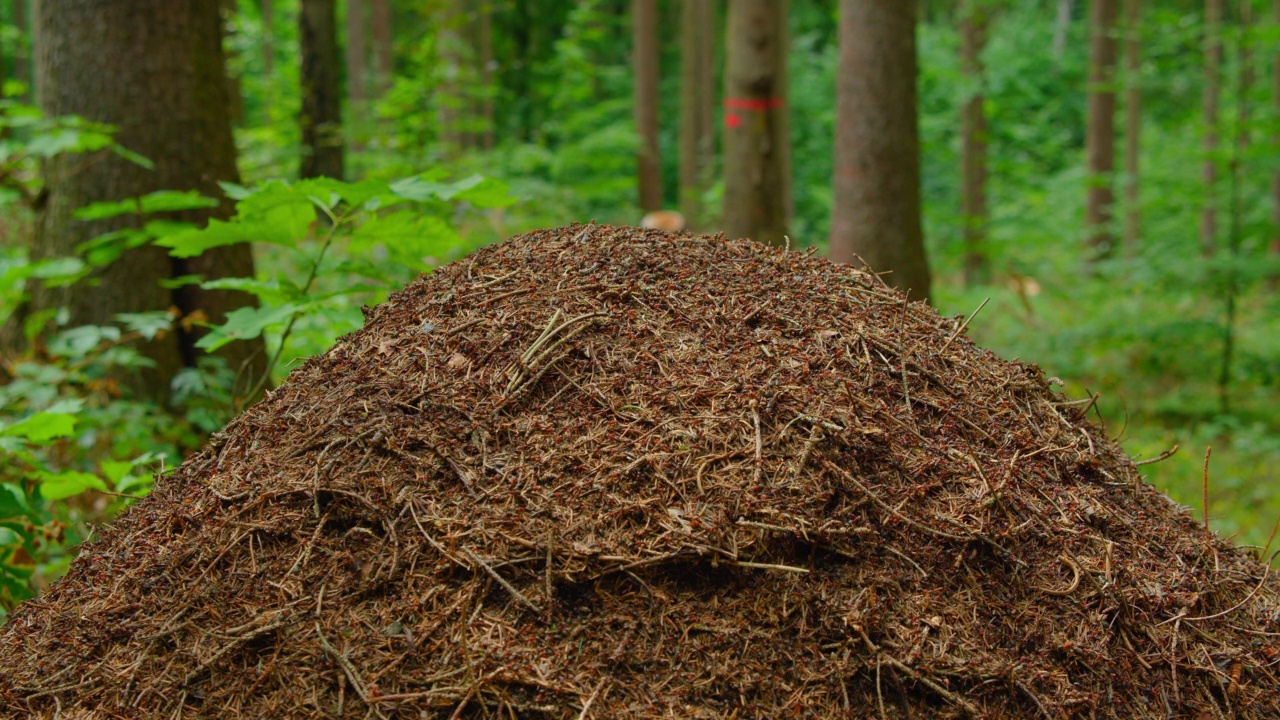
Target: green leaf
{"x":245,"y":323}
{"x":488,"y":193}
{"x":181,"y":281}
{"x":176,"y":201}
{"x":234,"y":191}
{"x":9,"y":537}
{"x":146,"y":324}
{"x":115,"y":470}
{"x":108,"y":209}
{"x":42,"y":427}
{"x":58,"y":271}
{"x":62,"y":485}
{"x":270,"y":291}
{"x":13,"y":502}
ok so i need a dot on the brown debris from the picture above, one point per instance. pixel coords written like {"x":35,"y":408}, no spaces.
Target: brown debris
{"x":615,"y":473}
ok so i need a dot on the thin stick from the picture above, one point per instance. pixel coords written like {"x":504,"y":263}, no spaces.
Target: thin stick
{"x":1204,"y":493}
{"x":1159,"y":458}
{"x":964,"y":325}
{"x":345,"y":664}
{"x":767,"y":566}
{"x":1274,"y":527}
{"x":587,"y":705}
{"x":505,"y":585}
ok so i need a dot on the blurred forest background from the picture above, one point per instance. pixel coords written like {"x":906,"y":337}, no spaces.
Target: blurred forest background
{"x":195,"y":196}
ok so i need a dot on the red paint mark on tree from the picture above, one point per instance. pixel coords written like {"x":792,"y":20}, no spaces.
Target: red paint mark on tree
{"x":753,"y":104}
{"x":732,"y":120}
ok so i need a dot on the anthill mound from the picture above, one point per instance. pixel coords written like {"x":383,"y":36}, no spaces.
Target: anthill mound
{"x":611,"y":473}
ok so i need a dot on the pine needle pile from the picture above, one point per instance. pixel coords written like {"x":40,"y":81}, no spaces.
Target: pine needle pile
{"x":600,"y":472}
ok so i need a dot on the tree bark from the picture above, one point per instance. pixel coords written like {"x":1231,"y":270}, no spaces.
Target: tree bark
{"x":1100,"y":134}
{"x":757,"y":171}
{"x":877,"y":145}
{"x":357,"y":55}
{"x":383,"y":55}
{"x":1212,"y":89}
{"x":154,"y":69}
{"x":321,"y":118}
{"x":644,"y":48}
{"x":1132,"y":124}
{"x":973,"y":124}
{"x":697,"y":109}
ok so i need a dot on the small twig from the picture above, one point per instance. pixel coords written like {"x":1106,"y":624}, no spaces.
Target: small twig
{"x":964,"y":325}
{"x":345,"y":664}
{"x":889,"y":508}
{"x":946,"y":694}
{"x":1075,"y":578}
{"x":587,"y":705}
{"x":1159,"y":458}
{"x":768,"y":566}
{"x":501,"y":581}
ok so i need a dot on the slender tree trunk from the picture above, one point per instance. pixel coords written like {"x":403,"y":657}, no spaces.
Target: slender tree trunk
{"x":1132,"y":124}
{"x":485,"y":51}
{"x":383,"y":55}
{"x":877,"y":145}
{"x":1275,"y":176}
{"x":21,"y":46}
{"x":357,"y":55}
{"x":1100,"y":135}
{"x":235,"y":89}
{"x":1061,"y":24}
{"x":644,"y":48}
{"x":450,"y":49}
{"x":154,"y":69}
{"x":757,"y":174}
{"x":268,"y":37}
{"x":697,"y":109}
{"x":973,"y":123}
{"x":1212,"y":89}
{"x":321,"y":118}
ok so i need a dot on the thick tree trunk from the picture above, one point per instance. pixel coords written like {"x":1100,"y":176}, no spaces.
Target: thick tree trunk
{"x":154,"y":69}
{"x":877,"y":145}
{"x":235,"y":89}
{"x":384,"y":58}
{"x":1100,"y":135}
{"x":1132,"y":124}
{"x":644,"y":48}
{"x":757,"y":171}
{"x":1212,"y":89}
{"x":973,"y":124}
{"x":697,"y":106}
{"x":357,"y":55}
{"x":321,"y":118}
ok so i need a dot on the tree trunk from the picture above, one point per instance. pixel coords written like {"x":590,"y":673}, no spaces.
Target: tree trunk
{"x":697,"y":109}
{"x":384,"y":59}
{"x":757,"y":172}
{"x":1275,"y":177}
{"x":155,"y":70}
{"x":268,"y":38}
{"x":644,"y":46}
{"x":321,"y":118}
{"x":484,"y":44}
{"x":1100,"y":134}
{"x":1061,"y":24}
{"x":973,"y":124}
{"x":1212,"y":89}
{"x":1132,"y":124}
{"x":21,"y":46}
{"x":357,"y":54}
{"x":877,"y":145}
{"x":451,"y":50}
{"x":235,"y":90}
